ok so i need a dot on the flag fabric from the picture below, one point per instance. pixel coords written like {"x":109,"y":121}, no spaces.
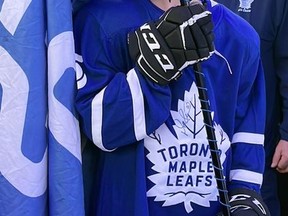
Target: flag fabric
{"x":40,"y":150}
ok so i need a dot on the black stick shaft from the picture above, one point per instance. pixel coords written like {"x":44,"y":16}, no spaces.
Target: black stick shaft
{"x":211,"y":137}
{"x":215,"y":152}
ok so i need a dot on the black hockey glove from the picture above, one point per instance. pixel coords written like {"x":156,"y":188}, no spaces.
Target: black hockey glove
{"x":246,"y":202}
{"x":182,"y":36}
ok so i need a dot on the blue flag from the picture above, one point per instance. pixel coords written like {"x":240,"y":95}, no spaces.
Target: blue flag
{"x":40,"y":150}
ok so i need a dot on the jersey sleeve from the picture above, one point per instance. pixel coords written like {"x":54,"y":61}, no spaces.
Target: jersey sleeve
{"x":248,"y":157}
{"x":117,"y":105}
{"x":242,"y":51}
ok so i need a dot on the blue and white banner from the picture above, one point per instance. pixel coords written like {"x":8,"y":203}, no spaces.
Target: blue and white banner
{"x":40,"y":150}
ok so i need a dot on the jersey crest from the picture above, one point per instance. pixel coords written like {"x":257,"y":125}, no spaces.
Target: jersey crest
{"x":245,"y":5}
{"x":183,"y":165}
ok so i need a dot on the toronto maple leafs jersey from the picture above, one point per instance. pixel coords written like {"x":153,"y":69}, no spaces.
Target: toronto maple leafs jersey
{"x":153,"y":156}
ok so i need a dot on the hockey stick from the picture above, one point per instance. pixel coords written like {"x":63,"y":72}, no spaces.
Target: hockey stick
{"x":211,"y":137}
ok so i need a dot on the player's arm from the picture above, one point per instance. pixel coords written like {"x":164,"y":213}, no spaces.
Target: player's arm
{"x":110,"y":100}
{"x":281,"y":61}
{"x":248,"y":159}
{"x":280,"y":159}
{"x":120,"y":105}
{"x":247,"y":144}
{"x":248,"y":140}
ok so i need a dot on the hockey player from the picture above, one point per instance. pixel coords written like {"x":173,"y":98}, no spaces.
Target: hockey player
{"x":140,"y":106}
{"x":270,"y":19}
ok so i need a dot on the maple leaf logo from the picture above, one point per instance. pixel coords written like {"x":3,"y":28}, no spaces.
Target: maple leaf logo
{"x":183,"y":166}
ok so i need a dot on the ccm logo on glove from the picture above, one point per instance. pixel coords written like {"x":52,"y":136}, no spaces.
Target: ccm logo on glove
{"x":181,"y":37}
{"x":154,"y":46}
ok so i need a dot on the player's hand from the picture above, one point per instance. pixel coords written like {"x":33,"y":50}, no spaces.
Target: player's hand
{"x":280,"y":158}
{"x":182,"y":36}
{"x":246,"y":202}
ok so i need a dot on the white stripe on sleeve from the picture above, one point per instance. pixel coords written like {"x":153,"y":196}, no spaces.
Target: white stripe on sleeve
{"x":138,"y":105}
{"x":246,"y":176}
{"x":96,"y":120}
{"x":250,"y":138}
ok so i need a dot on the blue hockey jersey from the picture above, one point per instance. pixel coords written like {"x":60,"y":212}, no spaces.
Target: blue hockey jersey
{"x":153,"y":155}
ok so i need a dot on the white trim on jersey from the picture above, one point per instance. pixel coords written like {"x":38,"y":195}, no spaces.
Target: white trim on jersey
{"x":138,"y":105}
{"x":213,"y":3}
{"x":96,"y":120}
{"x":250,"y":138}
{"x":246,"y":176}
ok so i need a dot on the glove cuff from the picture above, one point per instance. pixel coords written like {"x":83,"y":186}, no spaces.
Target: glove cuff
{"x":242,"y":198}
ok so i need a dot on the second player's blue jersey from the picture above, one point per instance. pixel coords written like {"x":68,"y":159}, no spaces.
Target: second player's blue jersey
{"x":153,"y":156}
